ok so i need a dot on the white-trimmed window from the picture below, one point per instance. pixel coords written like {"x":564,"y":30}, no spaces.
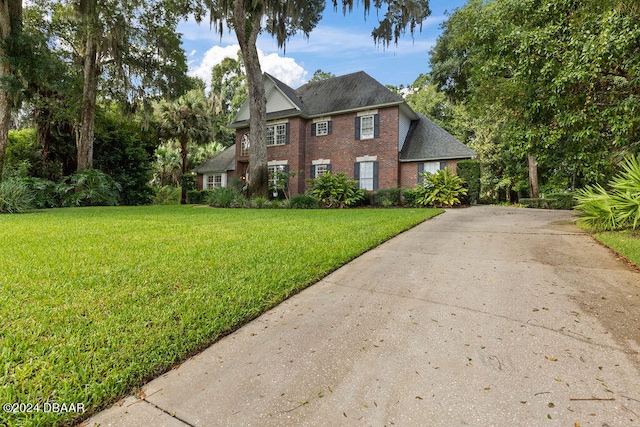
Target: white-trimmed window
{"x":430,"y":167}
{"x":320,"y":169}
{"x":277,"y":134}
{"x":366,"y":175}
{"x":367,"y":127}
{"x":322,"y":128}
{"x":214,"y":181}
{"x":244,"y":145}
{"x":273,"y":174}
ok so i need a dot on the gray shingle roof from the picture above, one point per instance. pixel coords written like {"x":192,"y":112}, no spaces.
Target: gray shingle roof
{"x":351,"y":92}
{"x":428,"y":141}
{"x":223,"y":162}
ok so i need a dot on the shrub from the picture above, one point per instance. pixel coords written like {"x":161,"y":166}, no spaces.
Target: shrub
{"x":388,"y":197}
{"x":565,"y":201}
{"x":15,"y":196}
{"x":167,"y":195}
{"x":45,"y":192}
{"x":469,"y":172}
{"x":227,"y":197}
{"x":199,"y":197}
{"x":439,"y":189}
{"x":259,"y":202}
{"x":335,"y":190}
{"x":89,"y":187}
{"x":409,"y":196}
{"x":303,"y":201}
{"x":618,"y":209}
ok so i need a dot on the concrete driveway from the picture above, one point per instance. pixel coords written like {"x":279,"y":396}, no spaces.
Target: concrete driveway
{"x":481,"y":316}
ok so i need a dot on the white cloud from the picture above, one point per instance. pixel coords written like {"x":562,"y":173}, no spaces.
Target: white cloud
{"x":282,"y":68}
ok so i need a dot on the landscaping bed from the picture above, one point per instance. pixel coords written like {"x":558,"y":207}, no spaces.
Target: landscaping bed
{"x":96,"y":301}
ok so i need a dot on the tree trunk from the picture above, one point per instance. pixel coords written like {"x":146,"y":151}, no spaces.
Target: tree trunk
{"x":184,"y":152}
{"x":533,"y":176}
{"x":84,"y":142}
{"x":247,"y":27}
{"x":43,"y":135}
{"x":10,"y":23}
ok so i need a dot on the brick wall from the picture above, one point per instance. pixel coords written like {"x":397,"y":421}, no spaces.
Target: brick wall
{"x":409,"y":172}
{"x":340,"y":147}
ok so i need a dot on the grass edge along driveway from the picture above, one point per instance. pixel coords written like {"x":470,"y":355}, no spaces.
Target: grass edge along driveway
{"x":96,"y":301}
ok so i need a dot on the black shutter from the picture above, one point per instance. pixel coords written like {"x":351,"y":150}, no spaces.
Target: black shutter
{"x":356,"y":171}
{"x":376,"y":126}
{"x":443,"y":165}
{"x":375,"y":175}
{"x":286,"y":133}
{"x":313,"y":129}
{"x":420,"y":172}
{"x":329,"y":165}
{"x":313,"y":171}
{"x":329,"y":127}
{"x":357,"y":126}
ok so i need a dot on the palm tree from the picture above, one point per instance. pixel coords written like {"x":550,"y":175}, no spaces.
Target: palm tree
{"x":187,"y":119}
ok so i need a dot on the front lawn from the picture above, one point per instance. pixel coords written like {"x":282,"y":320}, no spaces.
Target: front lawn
{"x":95,"y":301}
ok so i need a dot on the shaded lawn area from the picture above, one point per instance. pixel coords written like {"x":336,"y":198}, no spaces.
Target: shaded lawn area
{"x":95,"y":301}
{"x":626,"y":243}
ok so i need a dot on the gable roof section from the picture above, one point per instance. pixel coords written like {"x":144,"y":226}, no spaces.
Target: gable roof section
{"x":346,"y":93}
{"x":222,"y":162}
{"x":427,"y":141}
{"x":343,"y":94}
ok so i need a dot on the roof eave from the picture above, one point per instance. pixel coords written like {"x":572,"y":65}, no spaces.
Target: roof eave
{"x":432,"y":159}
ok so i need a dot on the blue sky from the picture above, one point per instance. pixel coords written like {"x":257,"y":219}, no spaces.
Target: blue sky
{"x":339,"y":44}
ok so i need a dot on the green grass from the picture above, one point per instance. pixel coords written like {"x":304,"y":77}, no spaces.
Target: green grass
{"x":95,"y":301}
{"x":626,"y":243}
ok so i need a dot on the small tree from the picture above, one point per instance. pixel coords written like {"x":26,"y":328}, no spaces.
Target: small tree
{"x":186,"y":119}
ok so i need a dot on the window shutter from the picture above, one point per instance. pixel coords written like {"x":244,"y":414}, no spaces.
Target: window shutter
{"x":443,"y":165}
{"x":286,"y":133}
{"x":375,"y":175}
{"x":329,"y":165}
{"x":329,"y":127}
{"x":313,"y":171}
{"x":313,"y":129}
{"x":357,"y":126}
{"x":376,"y":126}
{"x":420,"y":172}
{"x":356,"y":171}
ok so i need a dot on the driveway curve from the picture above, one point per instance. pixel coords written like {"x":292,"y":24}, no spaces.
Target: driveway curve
{"x":481,"y":316}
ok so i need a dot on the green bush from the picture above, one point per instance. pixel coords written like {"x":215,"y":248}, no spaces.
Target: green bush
{"x":15,"y":196}
{"x":387,"y":197}
{"x":614,"y":210}
{"x":469,"y":172}
{"x":409,"y":196}
{"x":439,"y":189}
{"x":89,"y":187}
{"x":564,"y":201}
{"x":199,"y":197}
{"x":167,"y":195}
{"x":303,"y":201}
{"x":45,"y":192}
{"x":336,"y":190}
{"x":227,"y":197}
{"x":260,"y":202}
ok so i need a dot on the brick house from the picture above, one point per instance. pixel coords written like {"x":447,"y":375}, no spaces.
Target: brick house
{"x":350,"y":124}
